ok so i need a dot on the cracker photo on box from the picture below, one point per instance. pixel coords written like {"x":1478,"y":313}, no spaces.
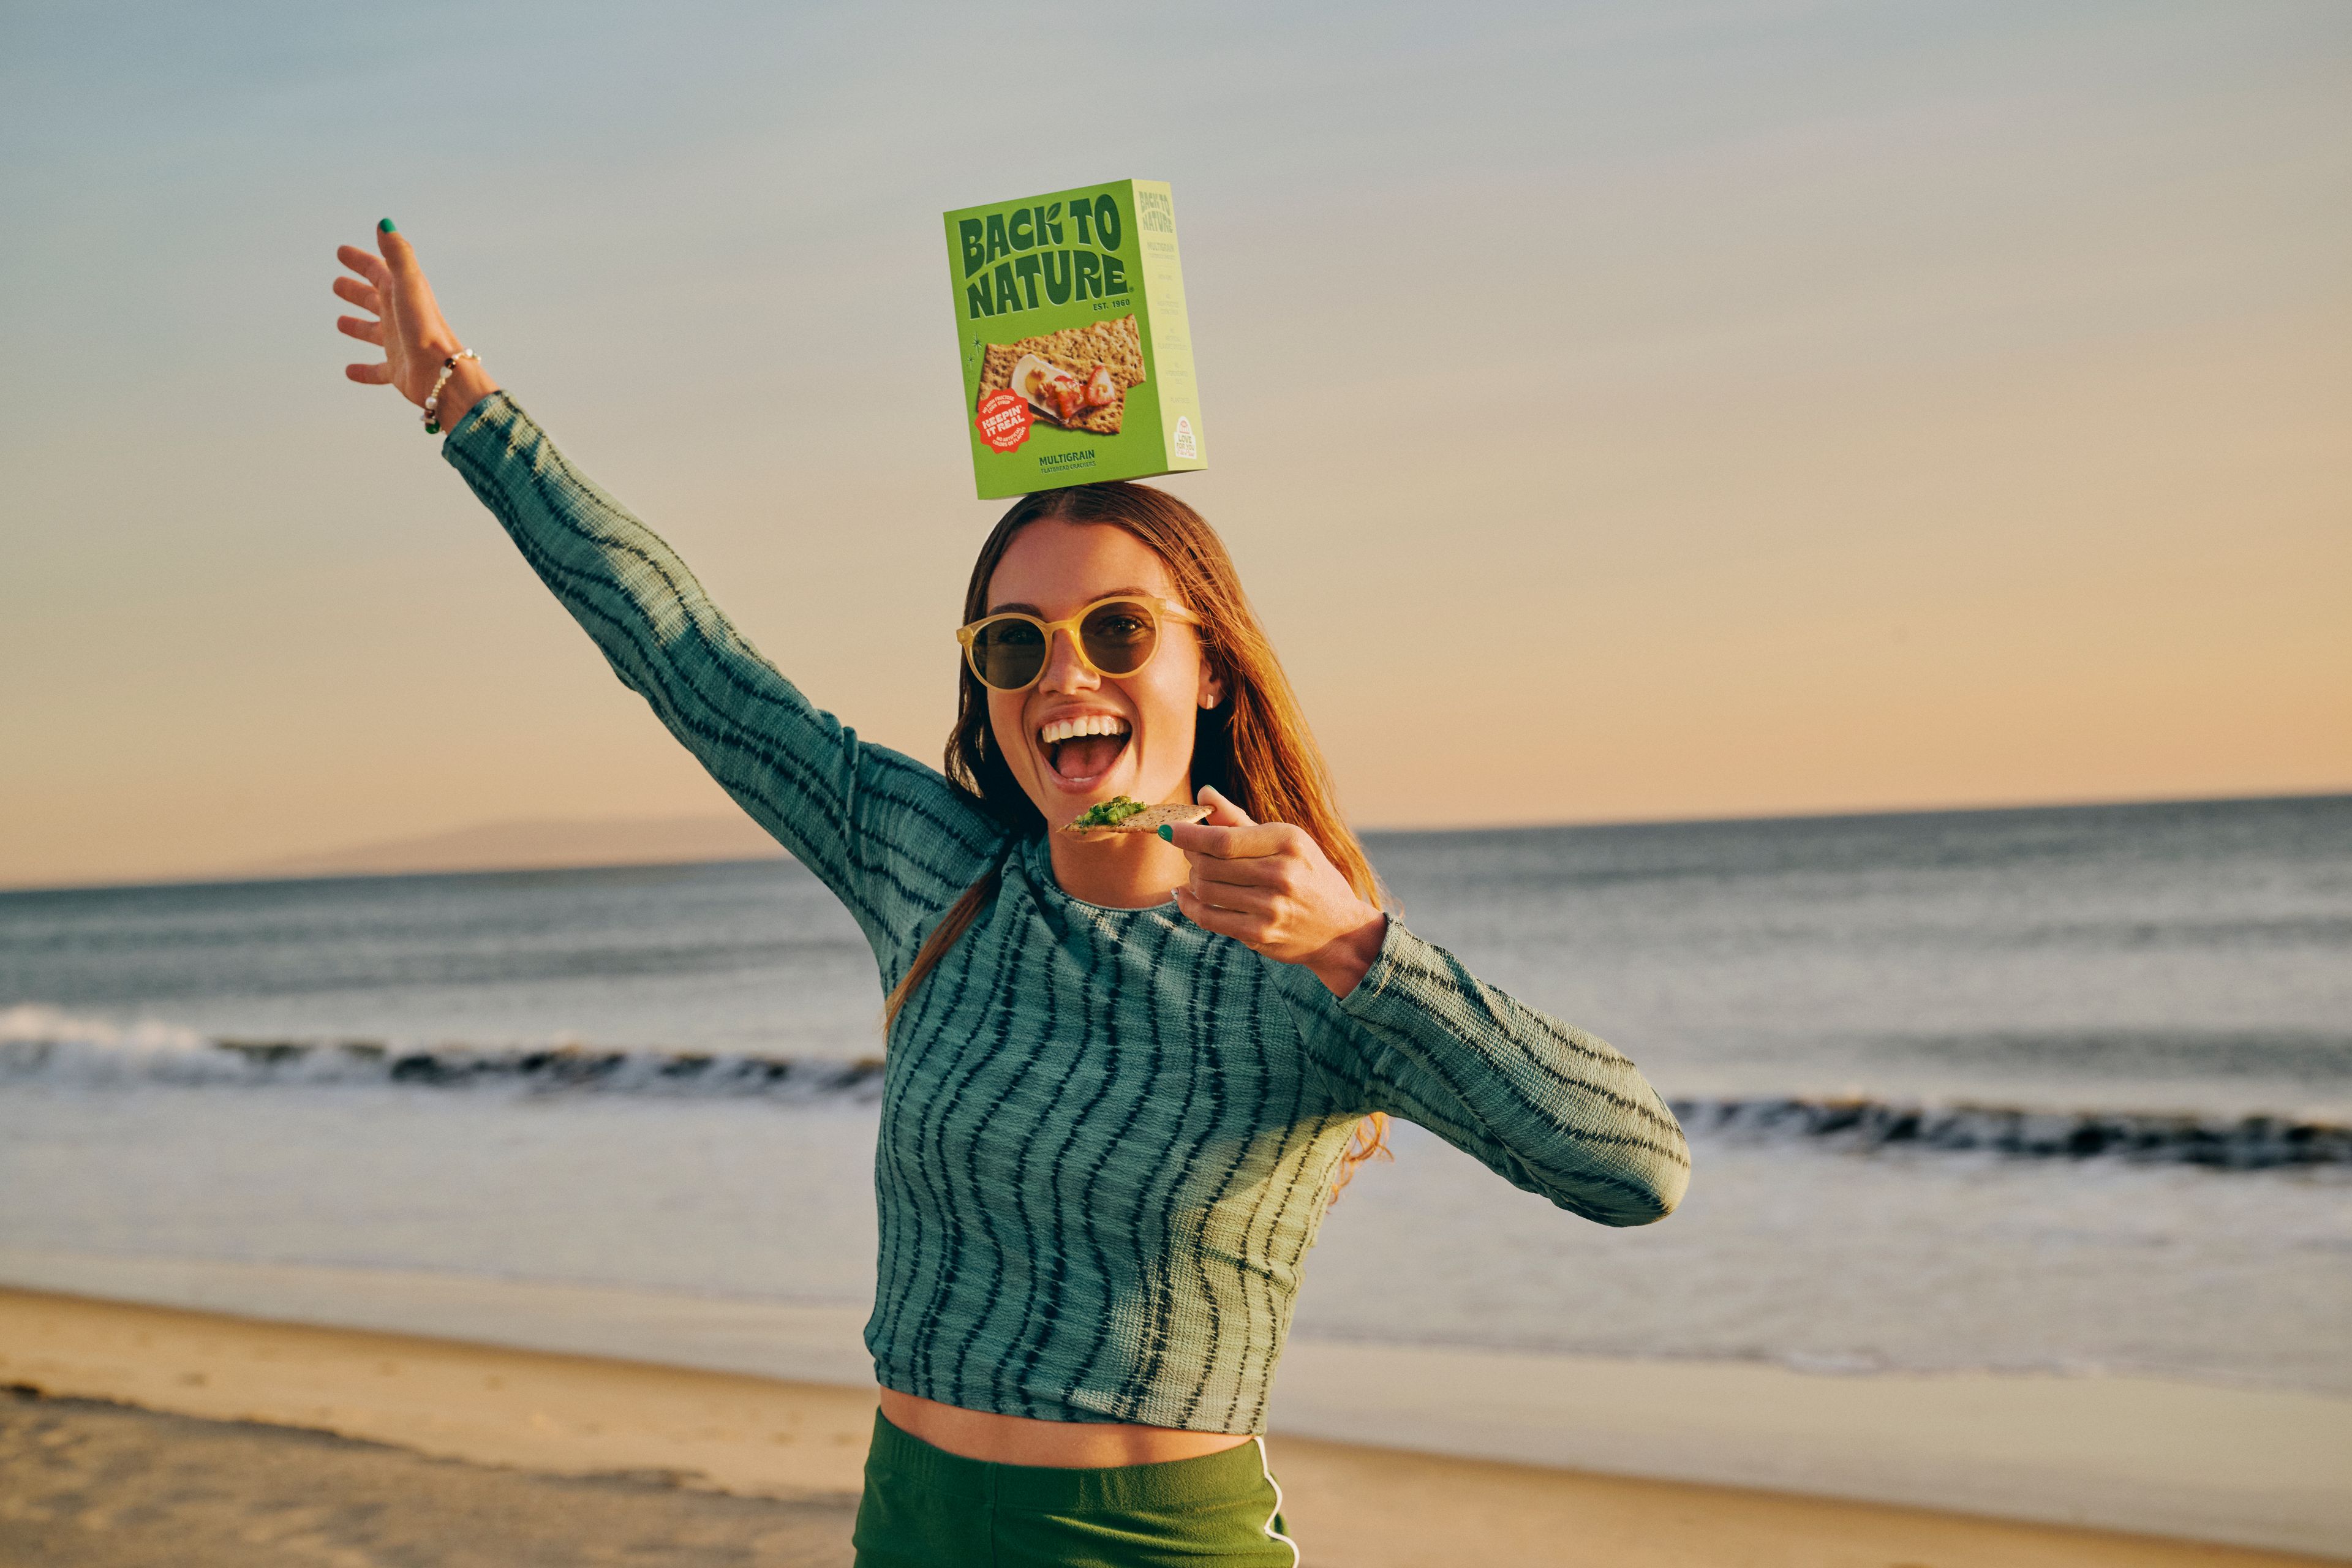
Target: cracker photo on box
{"x":1077,"y":353}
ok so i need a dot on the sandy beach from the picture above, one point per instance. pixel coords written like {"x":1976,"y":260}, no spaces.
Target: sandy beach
{"x":138,"y":1434}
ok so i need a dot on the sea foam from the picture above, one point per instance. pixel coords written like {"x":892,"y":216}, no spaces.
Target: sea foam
{"x":47,"y":1044}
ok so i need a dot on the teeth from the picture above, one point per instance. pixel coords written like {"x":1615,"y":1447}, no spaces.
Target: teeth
{"x":1085,"y":724}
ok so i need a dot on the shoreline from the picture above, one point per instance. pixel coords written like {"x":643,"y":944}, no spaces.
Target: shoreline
{"x":2173,"y":1462}
{"x":676,"y":1437}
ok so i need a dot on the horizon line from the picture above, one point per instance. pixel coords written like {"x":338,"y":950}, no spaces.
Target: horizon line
{"x":253,"y":876}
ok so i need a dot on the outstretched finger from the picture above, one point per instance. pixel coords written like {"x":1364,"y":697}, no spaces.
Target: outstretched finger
{"x":370,"y":374}
{"x":366,"y":263}
{"x":418,"y":317}
{"x":407,"y":275}
{"x":364,"y":295}
{"x":366,"y":331}
{"x":398,"y":254}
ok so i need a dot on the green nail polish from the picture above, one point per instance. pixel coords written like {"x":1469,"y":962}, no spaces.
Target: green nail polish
{"x":389,"y":227}
{"x":1168,"y":831}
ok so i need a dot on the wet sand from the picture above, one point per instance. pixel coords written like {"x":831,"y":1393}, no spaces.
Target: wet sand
{"x":138,"y":1435}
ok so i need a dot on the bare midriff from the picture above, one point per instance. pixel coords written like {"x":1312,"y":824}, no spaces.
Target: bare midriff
{"x":1058,"y":1445}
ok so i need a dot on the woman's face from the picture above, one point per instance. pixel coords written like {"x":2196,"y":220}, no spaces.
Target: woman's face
{"x":1056,"y":569}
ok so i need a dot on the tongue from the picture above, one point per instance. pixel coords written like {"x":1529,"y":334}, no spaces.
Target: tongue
{"x":1089,"y":755}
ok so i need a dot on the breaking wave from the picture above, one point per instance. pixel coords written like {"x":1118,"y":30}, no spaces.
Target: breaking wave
{"x":44,"y":1045}
{"x":2234,"y":1144}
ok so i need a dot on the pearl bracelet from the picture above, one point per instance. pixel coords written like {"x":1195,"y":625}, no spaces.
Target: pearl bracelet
{"x":433,"y":400}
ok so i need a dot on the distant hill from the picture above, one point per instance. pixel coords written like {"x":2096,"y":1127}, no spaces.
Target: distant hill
{"x":538,"y":845}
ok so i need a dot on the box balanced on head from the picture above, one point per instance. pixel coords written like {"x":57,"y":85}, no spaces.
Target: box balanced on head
{"x":1077,"y":355}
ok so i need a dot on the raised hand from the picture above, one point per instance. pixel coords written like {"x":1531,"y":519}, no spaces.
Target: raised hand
{"x":407,"y":326}
{"x":1272,"y":888}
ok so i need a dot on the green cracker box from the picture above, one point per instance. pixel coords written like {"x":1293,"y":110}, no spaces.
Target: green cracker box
{"x":1077,"y":356}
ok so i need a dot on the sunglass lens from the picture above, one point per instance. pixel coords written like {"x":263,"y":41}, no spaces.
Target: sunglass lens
{"x":1119,"y":636}
{"x":1008,"y":655}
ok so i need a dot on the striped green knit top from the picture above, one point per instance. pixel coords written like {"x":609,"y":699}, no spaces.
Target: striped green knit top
{"x":1106,"y":1136}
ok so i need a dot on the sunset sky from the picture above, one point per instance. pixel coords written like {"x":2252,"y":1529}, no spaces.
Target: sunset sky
{"x":1628,"y":410}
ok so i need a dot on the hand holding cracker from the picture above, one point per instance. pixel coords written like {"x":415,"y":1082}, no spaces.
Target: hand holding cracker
{"x":1271,"y":888}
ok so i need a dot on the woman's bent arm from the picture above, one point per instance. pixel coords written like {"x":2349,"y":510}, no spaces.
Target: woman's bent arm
{"x":893,"y":840}
{"x":1548,"y":1107}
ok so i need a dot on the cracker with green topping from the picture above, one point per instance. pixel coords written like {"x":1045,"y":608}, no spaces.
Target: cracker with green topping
{"x":1123,"y":814}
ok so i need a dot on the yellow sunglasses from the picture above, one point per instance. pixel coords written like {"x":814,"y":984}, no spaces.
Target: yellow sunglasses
{"x":1113,"y":636}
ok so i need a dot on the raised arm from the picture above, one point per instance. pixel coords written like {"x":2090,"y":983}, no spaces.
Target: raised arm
{"x":893,"y":840}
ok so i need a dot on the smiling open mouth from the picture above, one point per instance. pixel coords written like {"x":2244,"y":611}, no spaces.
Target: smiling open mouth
{"x":1080,"y":750}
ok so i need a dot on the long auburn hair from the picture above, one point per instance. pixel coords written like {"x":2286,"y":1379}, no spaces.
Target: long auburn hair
{"x":1254,"y":747}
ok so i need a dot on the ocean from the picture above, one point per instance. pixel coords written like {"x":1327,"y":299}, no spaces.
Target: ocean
{"x":2055,"y":1091}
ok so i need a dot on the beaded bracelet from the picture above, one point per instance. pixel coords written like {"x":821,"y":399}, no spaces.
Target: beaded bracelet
{"x":433,"y":400}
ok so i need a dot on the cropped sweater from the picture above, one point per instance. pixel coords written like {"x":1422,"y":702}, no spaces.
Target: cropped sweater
{"x":1107,"y":1135}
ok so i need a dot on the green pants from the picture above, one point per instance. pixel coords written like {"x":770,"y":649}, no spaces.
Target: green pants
{"x":925,"y":1508}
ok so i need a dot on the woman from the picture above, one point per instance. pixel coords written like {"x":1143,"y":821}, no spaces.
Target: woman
{"x":1124,"y":1073}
